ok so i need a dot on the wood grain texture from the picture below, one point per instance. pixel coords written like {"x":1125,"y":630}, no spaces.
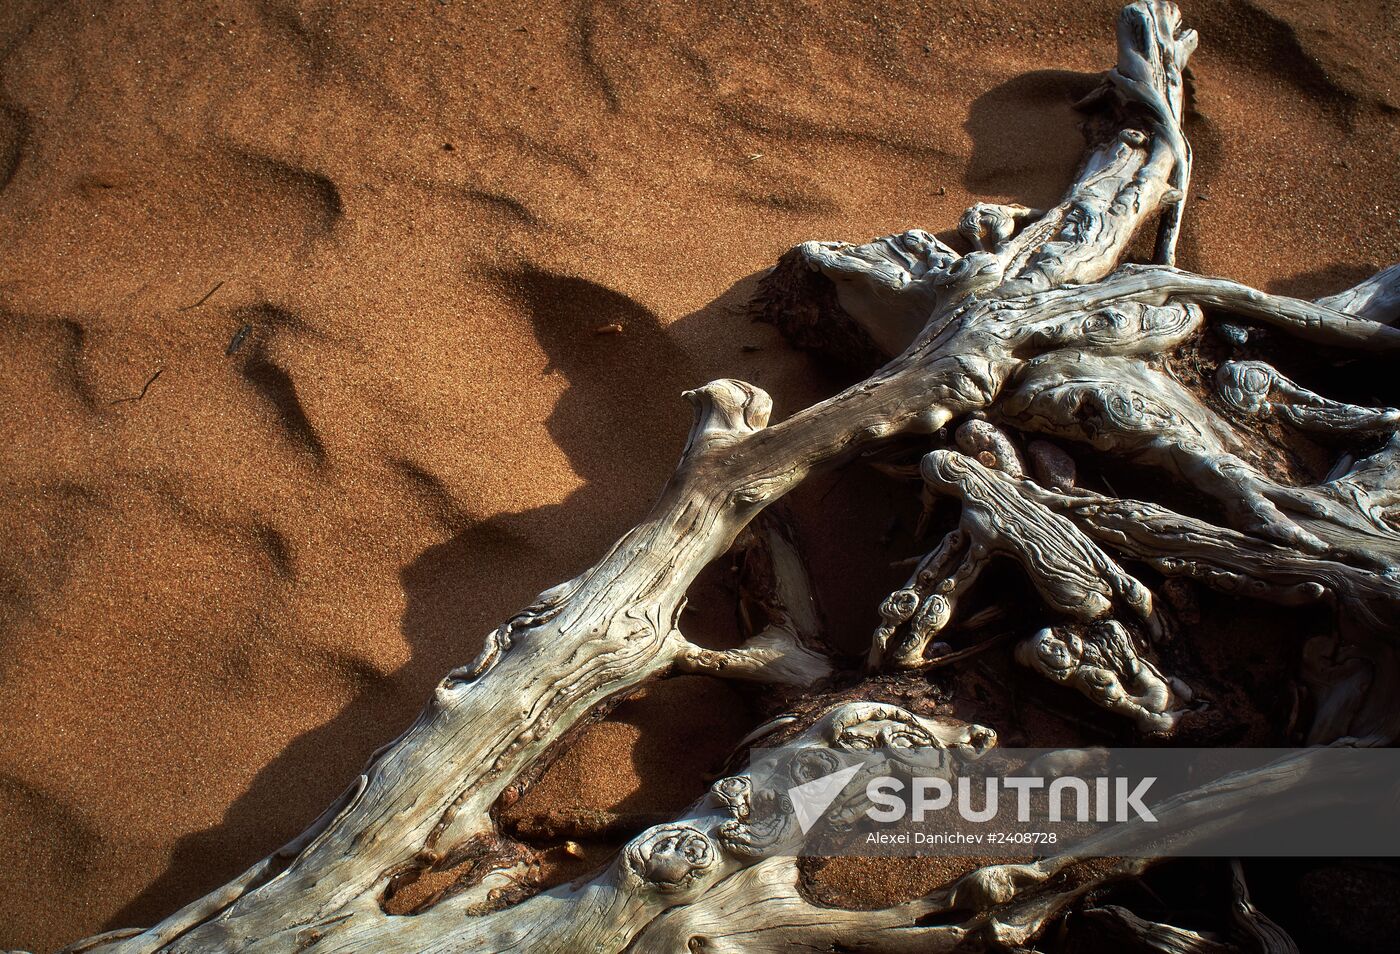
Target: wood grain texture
{"x":1038,"y":329}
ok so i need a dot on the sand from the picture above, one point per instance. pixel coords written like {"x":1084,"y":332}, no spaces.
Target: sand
{"x":303,"y":389}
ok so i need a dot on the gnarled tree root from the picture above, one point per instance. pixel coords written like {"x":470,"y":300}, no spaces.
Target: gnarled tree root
{"x":1036,"y":328}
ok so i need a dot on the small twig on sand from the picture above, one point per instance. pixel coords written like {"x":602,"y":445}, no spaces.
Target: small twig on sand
{"x":207,"y":295}
{"x":238,"y":338}
{"x":144,"y":388}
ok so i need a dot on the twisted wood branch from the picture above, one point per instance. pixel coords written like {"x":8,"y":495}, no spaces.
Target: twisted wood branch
{"x":1036,"y":326}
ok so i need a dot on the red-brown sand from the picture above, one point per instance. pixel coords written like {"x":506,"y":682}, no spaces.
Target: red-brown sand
{"x":301,"y":390}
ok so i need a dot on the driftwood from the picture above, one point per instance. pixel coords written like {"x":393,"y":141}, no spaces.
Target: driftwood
{"x":1037,"y":330}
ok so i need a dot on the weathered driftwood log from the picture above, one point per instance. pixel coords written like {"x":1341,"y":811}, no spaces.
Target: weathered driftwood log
{"x":1035,"y":330}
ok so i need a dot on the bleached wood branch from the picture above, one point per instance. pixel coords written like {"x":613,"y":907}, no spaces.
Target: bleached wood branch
{"x":1036,"y":323}
{"x":788,"y":648}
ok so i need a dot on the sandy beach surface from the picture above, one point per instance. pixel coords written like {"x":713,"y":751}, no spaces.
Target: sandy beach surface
{"x":330,"y":333}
